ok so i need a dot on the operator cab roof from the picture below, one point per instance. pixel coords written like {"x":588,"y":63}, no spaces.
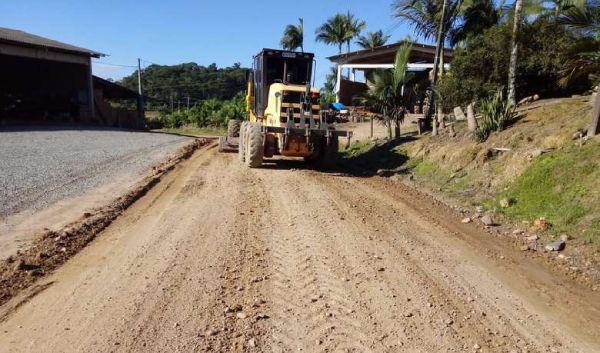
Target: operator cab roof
{"x":285,"y":54}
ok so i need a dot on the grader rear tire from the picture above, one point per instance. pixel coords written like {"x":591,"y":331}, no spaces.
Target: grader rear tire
{"x":233,"y":128}
{"x":242,"y":141}
{"x":255,"y":147}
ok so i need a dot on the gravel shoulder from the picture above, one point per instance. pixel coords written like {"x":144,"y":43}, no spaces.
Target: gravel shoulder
{"x":219,"y":258}
{"x":49,"y":176}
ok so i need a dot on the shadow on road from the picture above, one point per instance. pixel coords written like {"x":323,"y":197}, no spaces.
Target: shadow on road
{"x":384,"y":157}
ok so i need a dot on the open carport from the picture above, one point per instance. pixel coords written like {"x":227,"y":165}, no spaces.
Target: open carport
{"x":44,"y":80}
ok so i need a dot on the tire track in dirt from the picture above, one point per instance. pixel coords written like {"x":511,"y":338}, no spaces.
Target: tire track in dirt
{"x":395,"y":314}
{"x":311,"y":305}
{"x":480,"y":302}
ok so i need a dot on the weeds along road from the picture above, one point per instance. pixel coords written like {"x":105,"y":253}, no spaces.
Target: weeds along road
{"x":221,"y":258}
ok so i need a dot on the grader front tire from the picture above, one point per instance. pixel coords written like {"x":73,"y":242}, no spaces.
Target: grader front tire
{"x":255,"y":147}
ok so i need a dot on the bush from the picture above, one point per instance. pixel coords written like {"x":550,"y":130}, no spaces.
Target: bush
{"x":208,"y":113}
{"x":496,"y":114}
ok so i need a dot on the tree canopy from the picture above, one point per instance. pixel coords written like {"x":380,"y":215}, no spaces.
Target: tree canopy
{"x":161,"y":82}
{"x":293,"y":36}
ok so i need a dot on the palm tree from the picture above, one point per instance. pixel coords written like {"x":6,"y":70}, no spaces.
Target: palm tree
{"x":372,"y":40}
{"x":584,"y":18}
{"x":386,"y":93}
{"x":478,"y":16}
{"x":293,"y":36}
{"x":353,"y":27}
{"x":425,"y":15}
{"x":512,"y":68}
{"x":334,"y":31}
{"x":426,"y":18}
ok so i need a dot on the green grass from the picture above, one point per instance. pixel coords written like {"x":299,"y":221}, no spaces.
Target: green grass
{"x":196,"y":131}
{"x":356,"y":148}
{"x":562,"y":187}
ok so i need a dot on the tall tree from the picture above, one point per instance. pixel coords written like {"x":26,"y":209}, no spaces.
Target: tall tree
{"x":386,"y":92}
{"x":512,"y":68}
{"x":353,"y":28}
{"x":372,"y":40}
{"x":334,"y":32}
{"x":425,"y":15}
{"x":293,"y":36}
{"x":476,"y":17}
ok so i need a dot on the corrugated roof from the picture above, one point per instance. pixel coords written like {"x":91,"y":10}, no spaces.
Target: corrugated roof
{"x":19,"y":37}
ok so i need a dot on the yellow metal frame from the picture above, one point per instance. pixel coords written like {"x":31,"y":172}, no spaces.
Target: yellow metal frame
{"x":297,"y":146}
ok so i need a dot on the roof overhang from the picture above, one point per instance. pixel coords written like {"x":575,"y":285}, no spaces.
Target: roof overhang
{"x":111,"y":90}
{"x":420,"y":53}
{"x":19,"y":38}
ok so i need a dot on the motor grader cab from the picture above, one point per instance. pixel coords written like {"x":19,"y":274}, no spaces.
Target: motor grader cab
{"x":284,"y":115}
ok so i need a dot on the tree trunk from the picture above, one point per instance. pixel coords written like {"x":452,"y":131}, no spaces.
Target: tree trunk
{"x":397,"y":129}
{"x":512,"y":69}
{"x":594,"y":128}
{"x":434,"y":125}
{"x":436,"y":62}
{"x":471,"y":121}
{"x":348,"y":52}
{"x":440,"y":117}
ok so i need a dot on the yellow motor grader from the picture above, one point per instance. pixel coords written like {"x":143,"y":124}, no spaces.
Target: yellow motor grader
{"x":284,"y":115}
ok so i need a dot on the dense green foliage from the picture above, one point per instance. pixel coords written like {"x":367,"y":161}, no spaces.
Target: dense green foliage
{"x":208,"y":113}
{"x":480,"y":68}
{"x":165,"y":83}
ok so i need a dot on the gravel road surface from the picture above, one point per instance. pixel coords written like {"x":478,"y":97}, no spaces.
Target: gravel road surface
{"x":220,"y":258}
{"x":39,"y":167}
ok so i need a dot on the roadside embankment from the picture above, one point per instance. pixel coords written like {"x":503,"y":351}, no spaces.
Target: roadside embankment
{"x":535,"y":178}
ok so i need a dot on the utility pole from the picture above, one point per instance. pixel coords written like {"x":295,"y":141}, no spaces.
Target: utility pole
{"x":439,"y":48}
{"x":171,"y":101}
{"x":188,"y":102}
{"x":141,"y":114}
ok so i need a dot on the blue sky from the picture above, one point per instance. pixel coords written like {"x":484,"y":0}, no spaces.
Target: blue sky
{"x":172,"y":32}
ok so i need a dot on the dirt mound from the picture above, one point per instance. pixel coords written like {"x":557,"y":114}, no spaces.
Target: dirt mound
{"x":54,"y":247}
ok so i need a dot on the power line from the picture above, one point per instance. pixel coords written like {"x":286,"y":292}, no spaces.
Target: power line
{"x":392,"y":28}
{"x":150,"y":62}
{"x":111,"y":64}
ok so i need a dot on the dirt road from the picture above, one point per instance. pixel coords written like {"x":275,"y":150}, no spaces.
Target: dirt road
{"x":220,"y":258}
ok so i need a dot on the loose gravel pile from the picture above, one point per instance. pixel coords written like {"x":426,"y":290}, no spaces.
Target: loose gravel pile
{"x":39,"y":167}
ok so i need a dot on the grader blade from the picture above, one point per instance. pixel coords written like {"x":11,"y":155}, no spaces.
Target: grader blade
{"x":228,"y":144}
